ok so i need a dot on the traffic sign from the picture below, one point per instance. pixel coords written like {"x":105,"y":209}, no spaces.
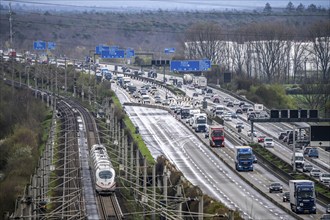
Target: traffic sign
{"x":130,"y":53}
{"x":169,"y":50}
{"x":51,"y":45}
{"x":100,"y":48}
{"x":320,"y":135}
{"x":39,"y":45}
{"x":108,"y":54}
{"x":190,"y":65}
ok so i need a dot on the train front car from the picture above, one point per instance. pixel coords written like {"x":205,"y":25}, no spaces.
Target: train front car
{"x":105,"y":179}
{"x":103,"y":172}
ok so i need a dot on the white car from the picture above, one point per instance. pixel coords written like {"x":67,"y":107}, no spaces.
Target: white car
{"x":240,"y":125}
{"x":268,"y":142}
{"x":315,"y":173}
{"x":254,"y":133}
{"x":325,"y":178}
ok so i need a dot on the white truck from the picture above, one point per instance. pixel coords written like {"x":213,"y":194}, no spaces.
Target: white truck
{"x":298,"y":159}
{"x":258,"y":107}
{"x":190,"y":118}
{"x":200,"y":81}
{"x":200,"y":122}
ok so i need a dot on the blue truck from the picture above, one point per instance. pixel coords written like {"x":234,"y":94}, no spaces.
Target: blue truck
{"x":302,"y":196}
{"x":244,"y":158}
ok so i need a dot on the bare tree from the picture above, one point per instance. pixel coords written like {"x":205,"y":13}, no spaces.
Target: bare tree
{"x":320,"y":37}
{"x":203,"y":41}
{"x":270,"y":48}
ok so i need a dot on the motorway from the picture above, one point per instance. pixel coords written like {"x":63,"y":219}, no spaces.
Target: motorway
{"x":260,"y":177}
{"x":165,"y":135}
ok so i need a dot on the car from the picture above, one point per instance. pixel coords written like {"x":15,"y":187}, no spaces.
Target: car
{"x":195,"y":94}
{"x":268,"y":142}
{"x":261,"y":139}
{"x":325,"y":178}
{"x":306,"y":150}
{"x":239,"y":111}
{"x":255,"y":159}
{"x":227,"y":99}
{"x":240,"y":125}
{"x":327,"y":210}
{"x":281,"y":135}
{"x":286,"y":196}
{"x":254,"y":133}
{"x":325,"y":217}
{"x":172,"y":107}
{"x":307,"y":167}
{"x":236,"y":102}
{"x":233,"y":115}
{"x":166,"y":102}
{"x":216,"y":99}
{"x":275,"y":187}
{"x":313,"y":152}
{"x":315,"y":172}
{"x":157,"y":100}
{"x":230,"y":104}
{"x":208,"y":96}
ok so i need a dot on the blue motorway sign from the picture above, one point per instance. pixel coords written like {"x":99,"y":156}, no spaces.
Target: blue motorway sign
{"x":51,"y":45}
{"x":39,"y":45}
{"x":190,"y":65}
{"x":130,"y":53}
{"x":100,"y":48}
{"x":169,"y":50}
{"x":113,"y":54}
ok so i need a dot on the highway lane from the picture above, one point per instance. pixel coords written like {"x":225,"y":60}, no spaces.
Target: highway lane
{"x":183,"y":149}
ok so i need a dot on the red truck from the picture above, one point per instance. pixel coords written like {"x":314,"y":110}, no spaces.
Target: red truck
{"x":216,"y":136}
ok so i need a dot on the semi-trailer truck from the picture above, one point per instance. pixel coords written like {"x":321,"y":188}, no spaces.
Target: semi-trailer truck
{"x":302,"y":196}
{"x":217,"y":136}
{"x":200,"y":122}
{"x":244,"y":158}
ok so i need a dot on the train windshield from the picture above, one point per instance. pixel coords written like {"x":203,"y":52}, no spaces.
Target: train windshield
{"x":217,"y":133}
{"x":106,"y":174}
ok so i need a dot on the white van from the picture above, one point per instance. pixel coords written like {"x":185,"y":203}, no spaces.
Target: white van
{"x":145,"y":99}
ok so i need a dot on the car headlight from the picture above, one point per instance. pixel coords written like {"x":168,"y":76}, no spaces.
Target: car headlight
{"x":314,"y":207}
{"x":301,"y":204}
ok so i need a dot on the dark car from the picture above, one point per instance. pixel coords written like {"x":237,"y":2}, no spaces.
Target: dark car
{"x":325,"y":217}
{"x":286,"y":197}
{"x":275,"y":187}
{"x":239,"y":111}
{"x":281,"y":135}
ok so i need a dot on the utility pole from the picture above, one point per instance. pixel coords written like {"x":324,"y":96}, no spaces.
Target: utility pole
{"x":66,"y":77}
{"x":10,"y":25}
{"x":74,"y":78}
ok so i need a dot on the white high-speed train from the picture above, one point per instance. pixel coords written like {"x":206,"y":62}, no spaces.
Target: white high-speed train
{"x":102,"y":170}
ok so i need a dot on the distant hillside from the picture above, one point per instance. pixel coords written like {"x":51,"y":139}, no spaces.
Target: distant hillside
{"x":78,"y":32}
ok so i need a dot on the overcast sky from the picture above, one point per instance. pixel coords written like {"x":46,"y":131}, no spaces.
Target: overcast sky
{"x":168,"y":4}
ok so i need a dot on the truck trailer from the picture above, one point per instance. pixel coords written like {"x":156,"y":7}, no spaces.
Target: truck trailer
{"x":244,"y":158}
{"x":302,"y":196}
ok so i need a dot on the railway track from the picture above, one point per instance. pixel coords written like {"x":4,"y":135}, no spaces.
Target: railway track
{"x":109,"y":207}
{"x":69,"y":201}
